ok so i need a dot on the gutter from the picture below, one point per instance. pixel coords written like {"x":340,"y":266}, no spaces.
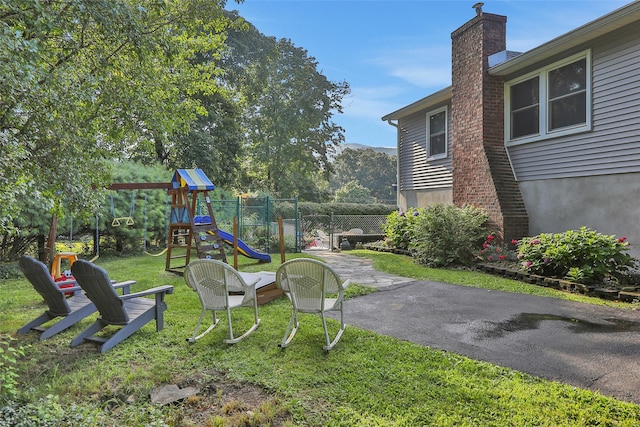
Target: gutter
{"x":397,"y":126}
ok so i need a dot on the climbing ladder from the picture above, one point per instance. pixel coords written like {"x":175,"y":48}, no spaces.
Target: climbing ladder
{"x":187,"y":231}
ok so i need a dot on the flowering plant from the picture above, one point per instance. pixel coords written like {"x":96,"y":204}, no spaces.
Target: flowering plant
{"x":492,"y":251}
{"x":583,"y":255}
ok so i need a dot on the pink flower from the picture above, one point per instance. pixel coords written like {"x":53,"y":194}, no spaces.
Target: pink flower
{"x":528,"y":264}
{"x":490,"y":237}
{"x":489,"y":258}
{"x":534,"y":242}
{"x":485,"y":245}
{"x":514,"y":242}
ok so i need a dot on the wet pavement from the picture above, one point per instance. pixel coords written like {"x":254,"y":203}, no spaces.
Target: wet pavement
{"x":584,"y":345}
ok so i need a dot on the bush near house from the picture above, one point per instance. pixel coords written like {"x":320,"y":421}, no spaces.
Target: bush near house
{"x":582,"y":256}
{"x":445,"y":235}
{"x":439,"y":235}
{"x":398,"y":229}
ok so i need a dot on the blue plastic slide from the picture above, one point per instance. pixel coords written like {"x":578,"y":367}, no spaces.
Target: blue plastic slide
{"x":243,"y":248}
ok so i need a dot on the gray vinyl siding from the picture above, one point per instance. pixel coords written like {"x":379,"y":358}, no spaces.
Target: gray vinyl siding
{"x":613,"y":144}
{"x":416,"y":173}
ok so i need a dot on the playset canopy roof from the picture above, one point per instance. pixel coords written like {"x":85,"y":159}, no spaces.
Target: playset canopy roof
{"x":192,"y":179}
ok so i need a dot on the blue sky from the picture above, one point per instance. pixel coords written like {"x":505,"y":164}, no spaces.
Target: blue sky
{"x":393,"y":53}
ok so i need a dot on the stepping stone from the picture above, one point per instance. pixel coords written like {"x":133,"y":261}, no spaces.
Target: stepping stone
{"x":171,"y":393}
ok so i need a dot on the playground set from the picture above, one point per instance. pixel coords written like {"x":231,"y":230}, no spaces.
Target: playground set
{"x":200,"y":232}
{"x":189,"y":233}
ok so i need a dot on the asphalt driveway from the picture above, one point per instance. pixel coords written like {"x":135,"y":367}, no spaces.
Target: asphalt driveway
{"x":579,"y":344}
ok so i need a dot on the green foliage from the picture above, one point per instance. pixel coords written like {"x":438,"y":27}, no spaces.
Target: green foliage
{"x":439,"y":235}
{"x":214,"y":142}
{"x":9,"y":270}
{"x":374,"y":171}
{"x":493,"y":251}
{"x":445,"y":235}
{"x":367,"y":379}
{"x":8,"y":359}
{"x":399,"y":228}
{"x":353,"y":192}
{"x":87,"y":81}
{"x":149,"y":210}
{"x":287,"y":109}
{"x":583,"y":255}
{"x":309,"y":208}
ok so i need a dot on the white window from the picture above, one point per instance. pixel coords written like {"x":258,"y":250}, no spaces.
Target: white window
{"x":553,"y":101}
{"x":437,"y":133}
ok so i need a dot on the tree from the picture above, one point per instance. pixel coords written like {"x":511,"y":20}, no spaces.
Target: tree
{"x":87,"y":81}
{"x":373,"y":170}
{"x":288,"y":107}
{"x":353,"y":192}
{"x":214,"y":143}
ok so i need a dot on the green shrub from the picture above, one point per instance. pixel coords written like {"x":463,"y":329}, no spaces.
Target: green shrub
{"x":398,"y":228}
{"x":9,"y":356}
{"x":10,"y":270}
{"x":583,"y":255}
{"x":445,"y":235}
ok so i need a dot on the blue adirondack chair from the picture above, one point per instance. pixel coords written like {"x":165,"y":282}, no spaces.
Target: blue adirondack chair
{"x":130,"y":311}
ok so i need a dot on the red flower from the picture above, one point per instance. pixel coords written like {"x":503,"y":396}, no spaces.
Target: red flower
{"x":501,"y":257}
{"x":514,"y":242}
{"x":622,"y":239}
{"x":485,"y":245}
{"x":490,"y":237}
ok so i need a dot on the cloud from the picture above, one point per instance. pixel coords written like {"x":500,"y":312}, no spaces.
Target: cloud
{"x":425,"y":67}
{"x":425,"y":76}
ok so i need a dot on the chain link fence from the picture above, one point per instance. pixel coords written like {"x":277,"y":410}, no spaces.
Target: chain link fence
{"x":327,"y":231}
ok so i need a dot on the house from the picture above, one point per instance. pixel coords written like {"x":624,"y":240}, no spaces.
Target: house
{"x":545,"y":141}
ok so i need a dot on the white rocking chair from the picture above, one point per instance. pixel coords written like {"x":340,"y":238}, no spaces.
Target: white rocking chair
{"x":221,"y":287}
{"x":313,"y":287}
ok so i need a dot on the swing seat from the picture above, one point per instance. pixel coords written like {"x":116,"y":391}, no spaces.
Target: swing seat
{"x":127,"y":220}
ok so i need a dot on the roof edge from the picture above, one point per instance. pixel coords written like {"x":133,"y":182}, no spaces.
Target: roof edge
{"x":585,"y":33}
{"x":435,"y":98}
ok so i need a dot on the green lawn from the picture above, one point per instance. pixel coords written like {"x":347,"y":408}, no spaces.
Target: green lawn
{"x":367,"y":380}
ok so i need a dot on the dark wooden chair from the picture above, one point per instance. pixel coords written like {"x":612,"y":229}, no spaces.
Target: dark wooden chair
{"x":130,"y":311}
{"x":71,"y":310}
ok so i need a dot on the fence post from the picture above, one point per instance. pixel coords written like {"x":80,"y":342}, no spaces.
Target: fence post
{"x":267,"y":217}
{"x":296,"y":216}
{"x":239,"y":215}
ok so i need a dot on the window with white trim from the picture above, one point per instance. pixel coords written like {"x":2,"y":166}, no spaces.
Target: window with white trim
{"x":437,"y":133}
{"x":553,"y":101}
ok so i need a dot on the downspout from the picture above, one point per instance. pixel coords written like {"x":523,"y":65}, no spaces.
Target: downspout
{"x":396,"y":125}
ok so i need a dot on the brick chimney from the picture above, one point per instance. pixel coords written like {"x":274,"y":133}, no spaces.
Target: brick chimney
{"x":482,"y":174}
